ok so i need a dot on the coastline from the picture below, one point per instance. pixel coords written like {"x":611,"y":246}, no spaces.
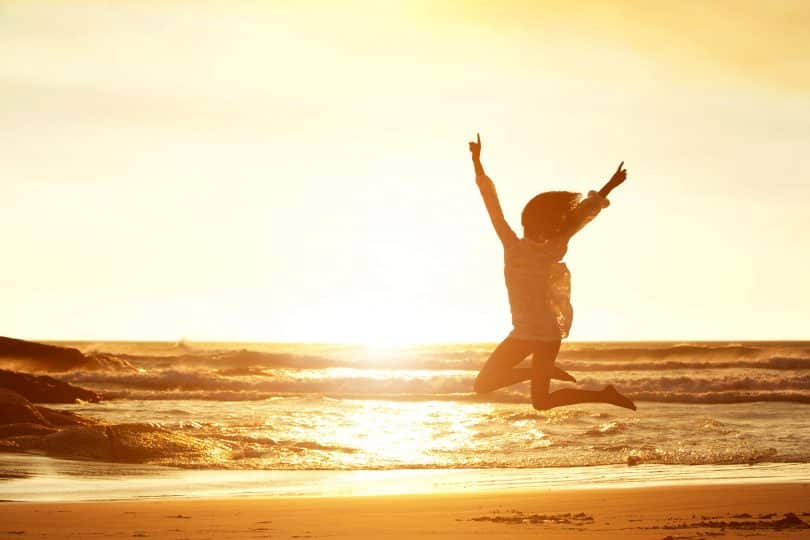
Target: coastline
{"x":670,"y":471}
{"x":730,"y":511}
{"x":39,"y":479}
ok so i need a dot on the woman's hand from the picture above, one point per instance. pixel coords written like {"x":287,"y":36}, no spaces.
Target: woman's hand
{"x":619,"y":176}
{"x":616,"y":180}
{"x":475,"y":148}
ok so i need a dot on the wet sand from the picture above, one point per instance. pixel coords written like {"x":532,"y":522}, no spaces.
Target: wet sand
{"x":682,"y":512}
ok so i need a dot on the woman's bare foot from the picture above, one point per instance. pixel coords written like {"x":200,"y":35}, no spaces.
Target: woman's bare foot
{"x":613,"y":397}
{"x":562,"y":375}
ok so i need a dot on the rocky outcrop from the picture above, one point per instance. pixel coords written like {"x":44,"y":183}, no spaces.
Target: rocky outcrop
{"x":15,"y":409}
{"x":45,"y":357}
{"x":122,"y":443}
{"x":44,"y":389}
{"x":22,"y":422}
{"x":25,"y":427}
{"x":17,"y":354}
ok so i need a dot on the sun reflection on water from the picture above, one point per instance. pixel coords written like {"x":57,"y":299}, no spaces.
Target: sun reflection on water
{"x":387,"y":434}
{"x":331,"y":433}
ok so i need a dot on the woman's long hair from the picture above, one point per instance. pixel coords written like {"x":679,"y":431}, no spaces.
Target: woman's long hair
{"x":546,"y":215}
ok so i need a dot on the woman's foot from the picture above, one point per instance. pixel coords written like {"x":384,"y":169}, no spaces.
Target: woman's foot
{"x":561,"y":375}
{"x":613,"y":397}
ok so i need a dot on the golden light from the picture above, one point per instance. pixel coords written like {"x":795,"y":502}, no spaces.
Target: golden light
{"x":301,"y":173}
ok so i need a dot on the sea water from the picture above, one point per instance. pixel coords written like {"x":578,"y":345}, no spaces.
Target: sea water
{"x":274,"y":415}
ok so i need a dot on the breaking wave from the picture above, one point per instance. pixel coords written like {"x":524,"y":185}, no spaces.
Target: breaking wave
{"x":780,"y":363}
{"x":707,"y":387}
{"x":579,"y":356}
{"x":663,"y":372}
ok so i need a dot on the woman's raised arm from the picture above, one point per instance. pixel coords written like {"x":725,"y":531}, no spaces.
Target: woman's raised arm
{"x":490,"y":196}
{"x":590,"y":207}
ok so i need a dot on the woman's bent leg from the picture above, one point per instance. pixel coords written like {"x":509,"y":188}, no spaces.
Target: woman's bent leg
{"x":542,"y":364}
{"x":572,"y":396}
{"x":543,"y":357}
{"x":499,"y":370}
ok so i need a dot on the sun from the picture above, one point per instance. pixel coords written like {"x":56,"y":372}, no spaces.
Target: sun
{"x":379,"y":329}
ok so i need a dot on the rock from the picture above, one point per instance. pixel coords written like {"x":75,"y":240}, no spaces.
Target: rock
{"x":84,"y":442}
{"x":25,"y":428}
{"x":64,"y":418}
{"x":46,"y":357}
{"x":15,"y":409}
{"x":44,"y":389}
{"x":124,"y":443}
{"x":20,"y":355}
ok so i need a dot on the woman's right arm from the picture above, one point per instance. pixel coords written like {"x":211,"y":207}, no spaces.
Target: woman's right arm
{"x":490,"y":196}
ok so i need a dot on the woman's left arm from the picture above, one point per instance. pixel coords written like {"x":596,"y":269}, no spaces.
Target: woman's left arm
{"x":590,"y":207}
{"x":615,"y":181}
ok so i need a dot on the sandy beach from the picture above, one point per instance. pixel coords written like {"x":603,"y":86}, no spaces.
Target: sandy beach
{"x":683,"y":512}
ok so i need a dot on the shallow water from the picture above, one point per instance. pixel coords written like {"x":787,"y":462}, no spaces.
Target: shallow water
{"x":328,"y":433}
{"x":41,"y":479}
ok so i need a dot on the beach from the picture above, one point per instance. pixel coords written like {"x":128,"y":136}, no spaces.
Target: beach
{"x":454,"y":269}
{"x":247,"y":440}
{"x":727,"y":511}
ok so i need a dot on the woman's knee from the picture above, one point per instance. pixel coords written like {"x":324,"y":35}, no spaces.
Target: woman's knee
{"x":480,"y":385}
{"x":541,"y":399}
{"x":541,"y":403}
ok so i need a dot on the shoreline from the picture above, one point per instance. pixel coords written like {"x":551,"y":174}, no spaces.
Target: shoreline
{"x":735,"y":510}
{"x":39,"y":479}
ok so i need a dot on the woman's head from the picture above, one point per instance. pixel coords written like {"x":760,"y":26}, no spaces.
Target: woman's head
{"x":546,"y":215}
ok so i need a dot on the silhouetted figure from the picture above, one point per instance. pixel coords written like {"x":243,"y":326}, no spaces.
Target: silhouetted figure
{"x":539,"y":287}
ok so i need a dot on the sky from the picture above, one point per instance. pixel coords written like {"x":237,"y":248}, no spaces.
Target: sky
{"x":299,"y":171}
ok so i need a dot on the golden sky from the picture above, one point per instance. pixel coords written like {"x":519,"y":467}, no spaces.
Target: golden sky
{"x":298,"y":171}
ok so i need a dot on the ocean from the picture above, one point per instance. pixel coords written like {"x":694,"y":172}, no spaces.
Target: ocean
{"x":723,"y":410}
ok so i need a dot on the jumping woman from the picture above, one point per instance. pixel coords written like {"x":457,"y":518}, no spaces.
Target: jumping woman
{"x":539,"y":287}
